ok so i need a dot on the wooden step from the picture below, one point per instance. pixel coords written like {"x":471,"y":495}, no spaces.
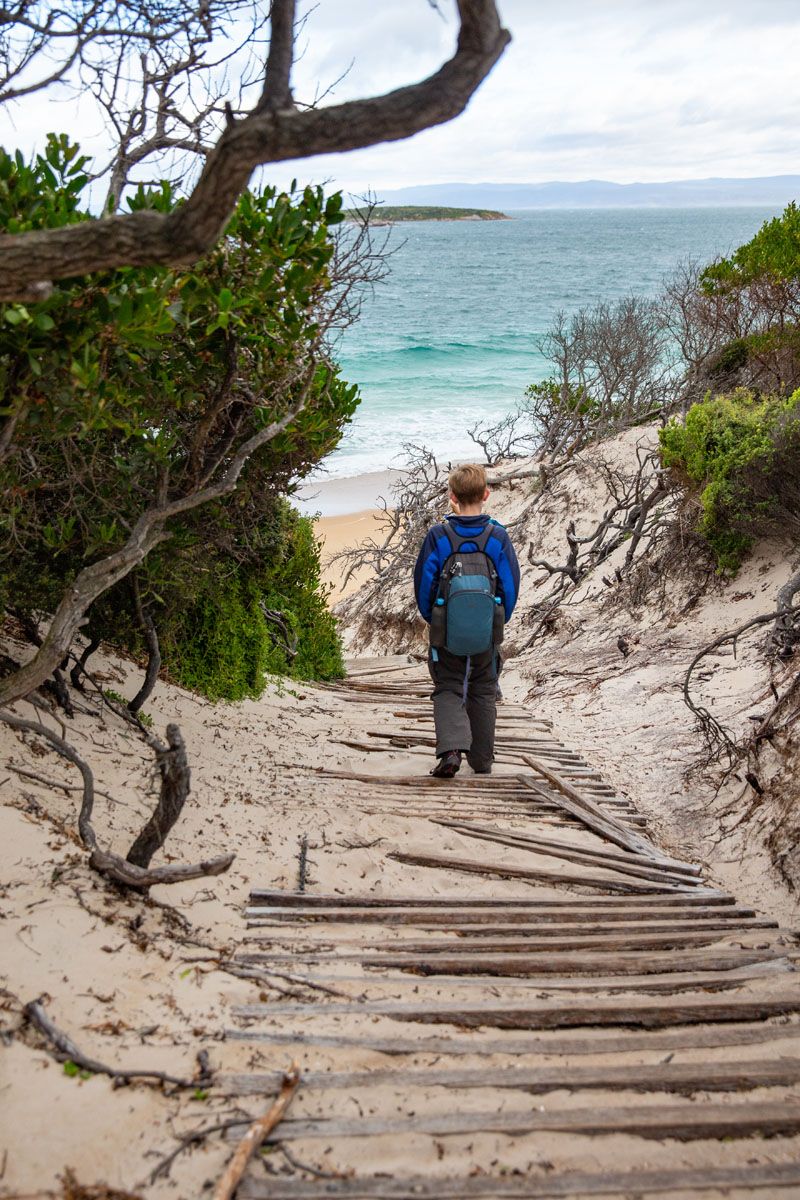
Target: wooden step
{"x":779,"y":1178}
{"x":686,"y":1122}
{"x":693,"y":1037}
{"x":684,"y":1078}
{"x":646,"y":1014}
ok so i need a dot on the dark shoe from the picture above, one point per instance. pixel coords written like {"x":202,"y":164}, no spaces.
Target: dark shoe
{"x":448,"y":765}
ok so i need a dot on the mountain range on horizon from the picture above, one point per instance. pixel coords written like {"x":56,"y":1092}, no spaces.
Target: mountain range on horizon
{"x":770,"y":190}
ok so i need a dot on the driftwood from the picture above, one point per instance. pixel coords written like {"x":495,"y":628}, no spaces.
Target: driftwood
{"x":67,"y":1051}
{"x":255,"y":1135}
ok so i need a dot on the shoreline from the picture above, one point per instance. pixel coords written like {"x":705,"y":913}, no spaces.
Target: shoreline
{"x":346,"y":511}
{"x":341,"y":496}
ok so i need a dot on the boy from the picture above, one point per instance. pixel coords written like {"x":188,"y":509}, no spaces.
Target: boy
{"x":464,"y":599}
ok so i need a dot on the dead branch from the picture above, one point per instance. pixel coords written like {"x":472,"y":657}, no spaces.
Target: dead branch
{"x":288,"y":641}
{"x":785,"y":633}
{"x":120,"y":871}
{"x":255,"y":1135}
{"x":112,"y":865}
{"x":153,"y":651}
{"x":79,"y":665}
{"x":266,"y":974}
{"x":718,"y":738}
{"x":67,"y":1051}
{"x":185,"y":1140}
{"x":267,"y":134}
{"x":175,"y":782}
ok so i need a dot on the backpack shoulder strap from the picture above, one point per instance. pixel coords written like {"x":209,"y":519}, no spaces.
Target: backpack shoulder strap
{"x":457,"y":540}
{"x":453,"y":538}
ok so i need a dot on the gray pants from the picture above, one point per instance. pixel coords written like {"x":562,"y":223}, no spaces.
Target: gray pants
{"x":465,"y":718}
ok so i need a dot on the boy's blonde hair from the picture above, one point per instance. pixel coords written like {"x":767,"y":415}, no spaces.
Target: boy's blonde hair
{"x":468,"y":483}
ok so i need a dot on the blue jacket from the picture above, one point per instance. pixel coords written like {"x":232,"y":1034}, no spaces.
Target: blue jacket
{"x":436,"y":549}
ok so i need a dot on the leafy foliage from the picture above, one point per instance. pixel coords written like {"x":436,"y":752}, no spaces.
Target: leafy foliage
{"x":741,"y":454}
{"x":773,"y":253}
{"x":141,"y":383}
{"x":246,"y":622}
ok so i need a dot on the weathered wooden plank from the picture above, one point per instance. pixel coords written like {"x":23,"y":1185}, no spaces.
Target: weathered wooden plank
{"x":645,"y":1014}
{"x":546,"y":986}
{"x":533,"y":942}
{"x":465,"y":933}
{"x":687,"y":1122}
{"x":545,"y":923}
{"x":578,"y":854}
{"x":711,"y":898}
{"x":682,"y":1078}
{"x":598,"y":820}
{"x":693,"y":1037}
{"x":778,"y":1177}
{"x":553,"y":962}
{"x":506,"y":871}
{"x":628,"y":858}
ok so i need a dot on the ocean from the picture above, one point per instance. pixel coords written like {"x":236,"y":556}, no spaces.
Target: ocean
{"x":450,"y":338}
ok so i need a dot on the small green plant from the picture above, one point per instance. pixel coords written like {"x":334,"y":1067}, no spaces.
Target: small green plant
{"x":740,"y":454}
{"x":114,"y":697}
{"x":75,"y":1072}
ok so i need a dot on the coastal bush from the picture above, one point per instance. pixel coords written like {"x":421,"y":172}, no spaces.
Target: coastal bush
{"x":773,"y":253}
{"x":137,"y":387}
{"x":250,"y":621}
{"x":740,"y":454}
{"x":737,"y":319}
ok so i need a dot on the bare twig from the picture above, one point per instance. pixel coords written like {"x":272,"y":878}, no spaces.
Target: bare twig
{"x":255,"y":1135}
{"x":67,"y":1051}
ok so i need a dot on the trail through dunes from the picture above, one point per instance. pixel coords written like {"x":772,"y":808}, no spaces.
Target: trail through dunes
{"x":501,"y":986}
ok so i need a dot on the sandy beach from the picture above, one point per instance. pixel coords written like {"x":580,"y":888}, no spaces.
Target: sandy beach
{"x":341,"y":533}
{"x":347,"y":513}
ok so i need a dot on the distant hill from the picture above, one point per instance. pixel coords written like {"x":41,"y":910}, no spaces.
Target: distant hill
{"x":390,"y":214}
{"x":773,"y":190}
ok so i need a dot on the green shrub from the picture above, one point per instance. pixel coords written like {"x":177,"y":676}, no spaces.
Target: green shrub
{"x":266,"y":616}
{"x":741,"y":454}
{"x":773,"y":253}
{"x":143,"y":383}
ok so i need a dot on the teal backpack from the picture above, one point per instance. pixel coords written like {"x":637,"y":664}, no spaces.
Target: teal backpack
{"x":468,"y":615}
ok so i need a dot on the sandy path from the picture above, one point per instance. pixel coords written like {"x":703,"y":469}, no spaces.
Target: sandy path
{"x":539,"y":1006}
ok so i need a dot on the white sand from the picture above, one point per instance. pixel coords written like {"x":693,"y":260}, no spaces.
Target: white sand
{"x":333,"y":497}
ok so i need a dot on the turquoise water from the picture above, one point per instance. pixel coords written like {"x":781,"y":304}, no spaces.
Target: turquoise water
{"x":450,"y":338}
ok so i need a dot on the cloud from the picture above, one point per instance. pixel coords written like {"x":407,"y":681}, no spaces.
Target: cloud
{"x":618,"y":89}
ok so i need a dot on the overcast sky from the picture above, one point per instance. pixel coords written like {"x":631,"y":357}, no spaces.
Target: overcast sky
{"x":589,"y":89}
